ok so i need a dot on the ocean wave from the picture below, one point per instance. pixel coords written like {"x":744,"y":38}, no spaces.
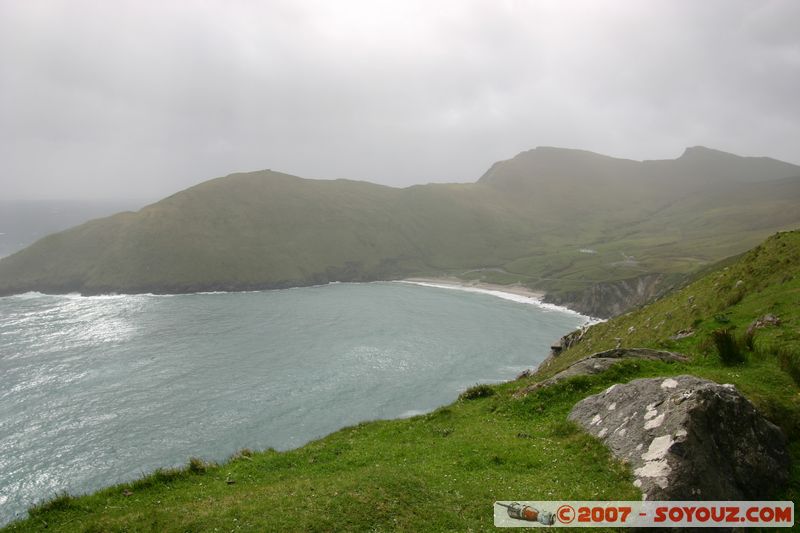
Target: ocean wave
{"x":78,"y":296}
{"x":32,"y":295}
{"x":216,"y":292}
{"x":26,"y":295}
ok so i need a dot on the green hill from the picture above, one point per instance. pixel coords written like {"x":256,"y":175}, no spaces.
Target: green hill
{"x":443,"y":470}
{"x":569,"y":222}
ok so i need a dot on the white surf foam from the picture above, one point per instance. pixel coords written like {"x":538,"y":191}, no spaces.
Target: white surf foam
{"x":26,"y":295}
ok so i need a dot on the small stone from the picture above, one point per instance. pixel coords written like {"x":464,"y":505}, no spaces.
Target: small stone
{"x":763,"y":322}
{"x":682,"y":334}
{"x":525,"y":374}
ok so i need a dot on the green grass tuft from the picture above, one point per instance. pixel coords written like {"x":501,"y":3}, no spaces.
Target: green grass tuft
{"x":477,"y":391}
{"x":58,"y":503}
{"x":197,"y":466}
{"x":789,"y":360}
{"x":161,"y":476}
{"x":728,"y":347}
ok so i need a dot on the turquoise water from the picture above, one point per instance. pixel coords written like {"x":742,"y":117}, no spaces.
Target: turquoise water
{"x":100,"y":390}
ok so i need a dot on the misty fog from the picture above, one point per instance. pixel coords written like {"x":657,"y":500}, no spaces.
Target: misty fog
{"x":130,"y":99}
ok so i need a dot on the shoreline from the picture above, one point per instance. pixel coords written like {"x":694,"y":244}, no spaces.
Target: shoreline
{"x":456,"y":283}
{"x":516,"y":293}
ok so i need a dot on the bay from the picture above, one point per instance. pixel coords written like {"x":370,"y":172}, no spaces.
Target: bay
{"x":104,"y":389}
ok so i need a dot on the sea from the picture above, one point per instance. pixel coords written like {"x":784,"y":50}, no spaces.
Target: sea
{"x":100,"y":390}
{"x":24,"y":222}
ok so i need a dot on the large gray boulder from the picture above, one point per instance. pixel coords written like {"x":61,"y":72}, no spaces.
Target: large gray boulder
{"x":688,"y":438}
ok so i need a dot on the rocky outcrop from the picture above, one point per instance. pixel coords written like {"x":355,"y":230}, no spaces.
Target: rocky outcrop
{"x":600,"y":362}
{"x":564,"y":343}
{"x":763,"y":322}
{"x":568,"y":341}
{"x":687,"y":438}
{"x":606,"y":300}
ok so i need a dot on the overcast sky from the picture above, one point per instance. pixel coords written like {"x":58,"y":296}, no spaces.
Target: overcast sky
{"x":138,"y":99}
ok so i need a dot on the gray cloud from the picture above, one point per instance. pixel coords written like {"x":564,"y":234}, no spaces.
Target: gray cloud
{"x":139,"y":99}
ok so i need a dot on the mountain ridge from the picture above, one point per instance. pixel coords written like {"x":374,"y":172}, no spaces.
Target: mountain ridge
{"x":524,"y":221}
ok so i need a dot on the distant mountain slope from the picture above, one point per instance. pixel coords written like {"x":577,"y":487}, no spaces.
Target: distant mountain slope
{"x":266,"y":229}
{"x":624,"y":230}
{"x":566,"y":221}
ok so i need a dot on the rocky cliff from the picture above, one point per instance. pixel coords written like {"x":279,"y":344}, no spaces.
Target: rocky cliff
{"x":608,"y":299}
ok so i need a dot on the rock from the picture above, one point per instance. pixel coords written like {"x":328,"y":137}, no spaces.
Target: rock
{"x":688,"y":438}
{"x":564,"y":343}
{"x":612,"y":298}
{"x":600,"y":362}
{"x":570,"y":339}
{"x":584,"y":367}
{"x":639,"y":353}
{"x":763,"y":322}
{"x":682,"y":334}
{"x":525,"y":374}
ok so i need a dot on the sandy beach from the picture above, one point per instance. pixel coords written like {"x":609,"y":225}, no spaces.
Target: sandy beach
{"x":516,"y":289}
{"x":513,"y":292}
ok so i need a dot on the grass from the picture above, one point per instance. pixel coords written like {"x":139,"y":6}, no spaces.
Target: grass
{"x":377,"y":476}
{"x":729,"y":348}
{"x":763,"y":364}
{"x":477,"y":391}
{"x":442,"y":471}
{"x":789,"y":361}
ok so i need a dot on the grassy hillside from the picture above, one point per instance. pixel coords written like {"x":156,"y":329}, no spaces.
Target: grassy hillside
{"x":442,"y":471}
{"x":553,"y":219}
{"x":266,"y":229}
{"x":667,"y":217}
